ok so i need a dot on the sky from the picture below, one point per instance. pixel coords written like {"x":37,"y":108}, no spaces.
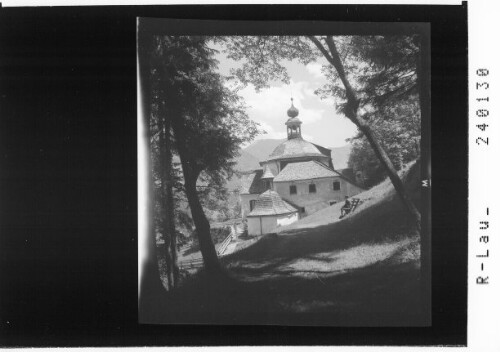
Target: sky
{"x":320,"y":122}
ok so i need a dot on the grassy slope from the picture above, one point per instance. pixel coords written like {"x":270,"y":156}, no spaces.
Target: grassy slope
{"x":359,"y":271}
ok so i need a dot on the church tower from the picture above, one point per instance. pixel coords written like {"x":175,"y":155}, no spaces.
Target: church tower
{"x":293,"y":123}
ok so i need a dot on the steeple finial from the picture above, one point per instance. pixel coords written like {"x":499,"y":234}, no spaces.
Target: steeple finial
{"x":293,"y":111}
{"x":293,"y":123}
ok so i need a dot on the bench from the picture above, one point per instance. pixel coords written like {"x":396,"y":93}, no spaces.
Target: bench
{"x":354,"y":204}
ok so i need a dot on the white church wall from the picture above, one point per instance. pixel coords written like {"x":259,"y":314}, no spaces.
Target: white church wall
{"x":351,"y":189}
{"x":325,"y":193}
{"x":314,"y":207}
{"x":269,"y":224}
{"x":287,"y":219}
{"x":253,"y":226}
{"x":261,"y":225}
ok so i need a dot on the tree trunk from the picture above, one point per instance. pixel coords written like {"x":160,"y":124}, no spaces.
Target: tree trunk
{"x":151,"y":289}
{"x":165,"y":204}
{"x":201,"y":223}
{"x":352,"y":112}
{"x":169,"y":194}
{"x":389,"y":168}
{"x":207,"y":247}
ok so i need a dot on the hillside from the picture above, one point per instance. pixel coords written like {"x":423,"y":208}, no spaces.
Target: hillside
{"x":380,"y":213}
{"x":363,"y":270}
{"x":368,"y":262}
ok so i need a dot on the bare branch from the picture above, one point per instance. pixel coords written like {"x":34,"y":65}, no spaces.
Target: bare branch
{"x":321,"y":48}
{"x":352,"y":98}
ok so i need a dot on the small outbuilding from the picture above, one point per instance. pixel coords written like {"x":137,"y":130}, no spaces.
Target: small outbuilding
{"x":270,"y":212}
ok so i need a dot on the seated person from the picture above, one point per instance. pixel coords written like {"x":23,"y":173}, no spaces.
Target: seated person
{"x":346,"y":208}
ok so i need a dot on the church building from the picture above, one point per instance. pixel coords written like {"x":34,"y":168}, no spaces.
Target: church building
{"x":297,"y":179}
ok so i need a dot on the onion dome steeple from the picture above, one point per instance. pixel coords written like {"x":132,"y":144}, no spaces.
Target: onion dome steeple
{"x":293,"y":123}
{"x":293,"y":111}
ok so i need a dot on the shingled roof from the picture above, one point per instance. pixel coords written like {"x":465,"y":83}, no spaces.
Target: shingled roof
{"x":304,"y":171}
{"x":270,"y":203}
{"x":267,"y":173}
{"x":251,"y":183}
{"x":294,"y":148}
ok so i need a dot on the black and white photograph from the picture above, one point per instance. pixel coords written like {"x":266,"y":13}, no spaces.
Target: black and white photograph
{"x":257,"y":176}
{"x":285,"y":177}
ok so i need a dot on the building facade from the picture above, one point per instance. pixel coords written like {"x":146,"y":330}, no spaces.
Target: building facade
{"x":297,"y":179}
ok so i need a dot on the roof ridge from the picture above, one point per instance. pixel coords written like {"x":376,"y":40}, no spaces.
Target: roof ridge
{"x":293,"y":205}
{"x":325,"y":166}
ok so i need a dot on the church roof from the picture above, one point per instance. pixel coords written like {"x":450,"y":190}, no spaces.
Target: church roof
{"x":270,"y":203}
{"x":294,"y":148}
{"x":251,"y":183}
{"x":267,"y":173}
{"x":304,"y":171}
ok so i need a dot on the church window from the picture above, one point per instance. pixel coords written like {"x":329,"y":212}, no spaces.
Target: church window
{"x":252,"y":204}
{"x":293,"y":189}
{"x":336,"y":186}
{"x":312,"y":188}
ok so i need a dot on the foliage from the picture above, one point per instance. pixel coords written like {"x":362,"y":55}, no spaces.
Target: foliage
{"x":398,"y":129}
{"x":208,"y":122}
{"x":218,"y":234}
{"x":214,"y":116}
{"x":381,"y":68}
{"x":263,"y":57}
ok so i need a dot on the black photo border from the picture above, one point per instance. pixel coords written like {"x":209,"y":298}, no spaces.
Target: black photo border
{"x":69,"y":178}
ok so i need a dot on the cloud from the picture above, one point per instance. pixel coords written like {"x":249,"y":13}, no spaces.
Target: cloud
{"x":314,"y":69}
{"x":308,"y":137}
{"x":270,"y":105}
{"x":321,"y":124}
{"x":271,"y":133}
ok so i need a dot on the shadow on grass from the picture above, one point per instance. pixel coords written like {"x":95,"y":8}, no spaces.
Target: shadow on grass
{"x":381,"y":294}
{"x":361,"y":271}
{"x":364,"y":227}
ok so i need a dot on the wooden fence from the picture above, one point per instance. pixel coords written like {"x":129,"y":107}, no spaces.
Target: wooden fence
{"x":198,"y":262}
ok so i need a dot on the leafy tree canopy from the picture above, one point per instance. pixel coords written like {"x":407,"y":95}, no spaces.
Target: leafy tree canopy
{"x":398,"y":129}
{"x":214,"y":117}
{"x":382,"y":69}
